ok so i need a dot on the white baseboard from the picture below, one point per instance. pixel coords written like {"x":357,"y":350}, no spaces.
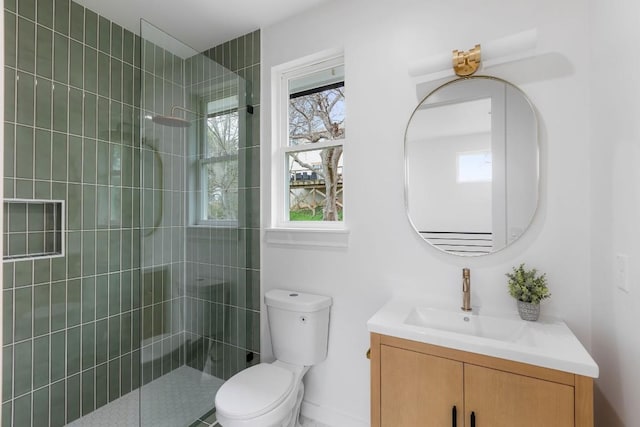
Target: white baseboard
{"x":329,"y":417}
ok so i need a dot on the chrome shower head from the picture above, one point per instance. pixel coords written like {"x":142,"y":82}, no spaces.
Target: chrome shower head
{"x":173,"y":120}
{"x":176,"y":122}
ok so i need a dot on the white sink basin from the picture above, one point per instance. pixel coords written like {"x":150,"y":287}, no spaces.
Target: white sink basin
{"x":548,"y":342}
{"x":466,"y":323}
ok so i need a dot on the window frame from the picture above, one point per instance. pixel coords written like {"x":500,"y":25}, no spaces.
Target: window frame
{"x":202,"y":162}
{"x":281,"y":76}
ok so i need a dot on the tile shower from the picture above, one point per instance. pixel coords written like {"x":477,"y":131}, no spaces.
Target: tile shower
{"x":142,"y":292}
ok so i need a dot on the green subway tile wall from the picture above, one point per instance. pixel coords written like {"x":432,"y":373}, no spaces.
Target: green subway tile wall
{"x":125,"y":304}
{"x":70,"y":323}
{"x":223,"y":264}
{"x":163,"y":196}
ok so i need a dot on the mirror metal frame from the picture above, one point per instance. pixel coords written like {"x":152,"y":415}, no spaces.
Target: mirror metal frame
{"x":537,"y":161}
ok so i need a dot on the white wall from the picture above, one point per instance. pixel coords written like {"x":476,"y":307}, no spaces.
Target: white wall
{"x":615,"y":183}
{"x":385,"y":257}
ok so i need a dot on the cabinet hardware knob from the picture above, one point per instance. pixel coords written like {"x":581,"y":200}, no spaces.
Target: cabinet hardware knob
{"x":454,"y":416}
{"x":369,"y":354}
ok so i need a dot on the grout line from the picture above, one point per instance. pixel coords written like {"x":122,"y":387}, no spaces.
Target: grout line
{"x":13,"y":347}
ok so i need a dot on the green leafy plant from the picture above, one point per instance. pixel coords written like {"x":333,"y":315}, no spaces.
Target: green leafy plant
{"x":527,"y":285}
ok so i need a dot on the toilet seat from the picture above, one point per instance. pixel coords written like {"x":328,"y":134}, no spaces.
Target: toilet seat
{"x":256,"y":391}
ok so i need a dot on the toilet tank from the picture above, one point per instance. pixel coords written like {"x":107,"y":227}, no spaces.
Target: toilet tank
{"x":299,"y":326}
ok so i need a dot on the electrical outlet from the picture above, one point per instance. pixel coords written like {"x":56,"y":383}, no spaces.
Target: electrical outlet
{"x":621,"y":272}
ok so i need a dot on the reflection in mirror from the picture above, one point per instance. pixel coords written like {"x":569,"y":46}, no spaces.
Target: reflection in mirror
{"x":471,"y":166}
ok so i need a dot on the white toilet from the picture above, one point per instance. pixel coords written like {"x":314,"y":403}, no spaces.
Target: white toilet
{"x":270,"y":394}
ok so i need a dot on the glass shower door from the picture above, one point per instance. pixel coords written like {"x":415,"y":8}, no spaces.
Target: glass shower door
{"x":193,"y":335}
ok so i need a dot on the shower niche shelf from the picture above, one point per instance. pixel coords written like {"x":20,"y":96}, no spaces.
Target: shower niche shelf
{"x":33,"y":229}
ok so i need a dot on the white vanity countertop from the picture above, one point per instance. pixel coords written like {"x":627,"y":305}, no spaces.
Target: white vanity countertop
{"x":548,"y":343}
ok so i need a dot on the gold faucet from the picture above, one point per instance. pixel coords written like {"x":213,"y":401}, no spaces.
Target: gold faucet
{"x":466,"y":290}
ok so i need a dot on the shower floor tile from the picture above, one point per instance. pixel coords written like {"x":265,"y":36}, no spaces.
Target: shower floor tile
{"x":173,"y":400}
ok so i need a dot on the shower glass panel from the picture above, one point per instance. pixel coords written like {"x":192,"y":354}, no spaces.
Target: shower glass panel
{"x":194,"y":250}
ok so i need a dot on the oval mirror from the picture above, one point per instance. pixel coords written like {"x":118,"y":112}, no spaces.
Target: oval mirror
{"x":471,"y":166}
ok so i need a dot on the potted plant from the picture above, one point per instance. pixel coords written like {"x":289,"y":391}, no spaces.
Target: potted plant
{"x":528,"y":288}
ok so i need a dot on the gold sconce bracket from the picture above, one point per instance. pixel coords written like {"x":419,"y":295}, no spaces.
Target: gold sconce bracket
{"x":466,"y":63}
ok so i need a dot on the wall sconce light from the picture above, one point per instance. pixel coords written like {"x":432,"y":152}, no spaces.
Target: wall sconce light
{"x":507,"y":49}
{"x":466,"y":63}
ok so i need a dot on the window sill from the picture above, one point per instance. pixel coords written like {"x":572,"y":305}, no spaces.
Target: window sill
{"x":214,"y":227}
{"x":327,"y":238}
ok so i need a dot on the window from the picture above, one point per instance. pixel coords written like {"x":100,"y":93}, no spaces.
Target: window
{"x":475,"y":166}
{"x":218,"y":164}
{"x":309,"y":144}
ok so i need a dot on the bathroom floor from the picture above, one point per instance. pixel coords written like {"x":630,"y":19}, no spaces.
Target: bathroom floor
{"x":207,"y":420}
{"x":172,"y":400}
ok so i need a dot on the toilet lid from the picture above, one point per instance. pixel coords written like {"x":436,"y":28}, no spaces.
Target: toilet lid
{"x":254,"y":391}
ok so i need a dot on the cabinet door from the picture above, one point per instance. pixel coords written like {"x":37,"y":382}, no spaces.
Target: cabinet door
{"x":501,"y":399}
{"x":418,"y":389}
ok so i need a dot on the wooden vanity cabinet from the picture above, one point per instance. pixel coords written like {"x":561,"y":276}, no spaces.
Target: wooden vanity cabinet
{"x":416,"y":384}
{"x":419,"y":389}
